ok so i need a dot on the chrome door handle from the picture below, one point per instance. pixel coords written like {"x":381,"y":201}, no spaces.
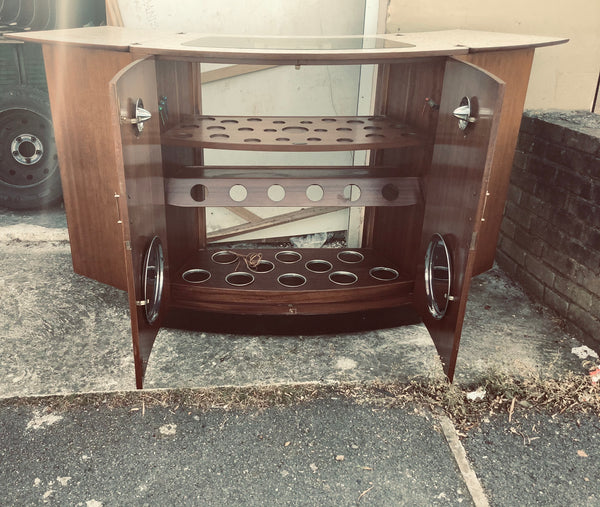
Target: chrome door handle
{"x":463,"y":113}
{"x":141,"y":115}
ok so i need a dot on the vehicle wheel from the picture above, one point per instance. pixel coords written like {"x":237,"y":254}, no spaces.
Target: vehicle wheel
{"x":29,"y":174}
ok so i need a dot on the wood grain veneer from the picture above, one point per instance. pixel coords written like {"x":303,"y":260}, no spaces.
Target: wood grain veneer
{"x":79,"y":98}
{"x":512,"y":67}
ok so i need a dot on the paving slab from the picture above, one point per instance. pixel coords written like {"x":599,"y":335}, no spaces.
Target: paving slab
{"x":329,"y":452}
{"x":63,"y":333}
{"x":537,"y":458}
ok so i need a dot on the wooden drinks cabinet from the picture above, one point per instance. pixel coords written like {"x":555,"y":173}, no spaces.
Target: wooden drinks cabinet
{"x":130,"y":135}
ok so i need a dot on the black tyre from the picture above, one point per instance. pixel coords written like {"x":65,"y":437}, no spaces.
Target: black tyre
{"x":29,"y":174}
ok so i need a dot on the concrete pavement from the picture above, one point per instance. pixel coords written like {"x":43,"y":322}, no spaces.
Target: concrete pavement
{"x":62,"y":334}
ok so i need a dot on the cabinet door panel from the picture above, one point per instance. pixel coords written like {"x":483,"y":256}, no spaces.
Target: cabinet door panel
{"x":140,"y":198}
{"x":455,"y":191}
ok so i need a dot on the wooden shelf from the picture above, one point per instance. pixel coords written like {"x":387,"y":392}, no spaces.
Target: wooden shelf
{"x":307,"y":281}
{"x":293,"y":133}
{"x":294,"y":186}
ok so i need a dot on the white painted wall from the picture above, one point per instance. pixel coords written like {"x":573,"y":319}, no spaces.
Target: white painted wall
{"x":563,"y":77}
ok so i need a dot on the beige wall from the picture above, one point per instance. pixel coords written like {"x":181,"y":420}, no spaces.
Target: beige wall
{"x":563,"y":77}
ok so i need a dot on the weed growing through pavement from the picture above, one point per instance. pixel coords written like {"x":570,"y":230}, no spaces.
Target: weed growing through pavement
{"x":570,"y":393}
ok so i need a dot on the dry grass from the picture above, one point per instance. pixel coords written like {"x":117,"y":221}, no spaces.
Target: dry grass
{"x":568,"y":394}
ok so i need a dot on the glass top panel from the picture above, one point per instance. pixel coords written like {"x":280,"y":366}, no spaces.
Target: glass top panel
{"x":295,"y":43}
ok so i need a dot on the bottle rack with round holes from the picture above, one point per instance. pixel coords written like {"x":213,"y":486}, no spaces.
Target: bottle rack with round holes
{"x":292,"y":133}
{"x":312,"y":281}
{"x":285,"y":186}
{"x":279,"y":281}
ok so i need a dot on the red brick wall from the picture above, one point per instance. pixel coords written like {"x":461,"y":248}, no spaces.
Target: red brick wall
{"x":550,"y":236}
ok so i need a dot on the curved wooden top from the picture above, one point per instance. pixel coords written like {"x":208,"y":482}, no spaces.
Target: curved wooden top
{"x":287,"y":50}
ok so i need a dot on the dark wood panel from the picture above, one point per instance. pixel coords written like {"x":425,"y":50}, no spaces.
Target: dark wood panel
{"x":455,"y":193}
{"x":402,"y":92}
{"x":79,"y":97}
{"x":513,"y":67}
{"x":179,"y":93}
{"x":142,"y":196}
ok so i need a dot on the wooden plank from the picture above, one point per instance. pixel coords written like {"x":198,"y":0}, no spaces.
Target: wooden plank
{"x":230,"y":71}
{"x":265,"y":223}
{"x":244,"y":213}
{"x":113,"y":13}
{"x":79,"y":97}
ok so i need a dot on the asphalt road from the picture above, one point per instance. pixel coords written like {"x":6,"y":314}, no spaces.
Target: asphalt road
{"x":330,"y":452}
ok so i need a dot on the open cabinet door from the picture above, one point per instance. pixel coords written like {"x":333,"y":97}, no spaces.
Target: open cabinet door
{"x":141,"y":203}
{"x":455,"y":196}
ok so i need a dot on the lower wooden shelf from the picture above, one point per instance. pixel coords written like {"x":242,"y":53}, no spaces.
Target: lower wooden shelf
{"x":271,"y":281}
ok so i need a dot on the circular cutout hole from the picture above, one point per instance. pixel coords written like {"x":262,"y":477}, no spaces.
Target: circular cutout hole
{"x":355,"y":121}
{"x":270,"y":130}
{"x":320,"y":130}
{"x":224,"y":257}
{"x":282,"y":139}
{"x":374,"y":135}
{"x":254,"y":119}
{"x":306,"y":122}
{"x":343,"y":129}
{"x":314,"y":139}
{"x":215,"y":127}
{"x":315,"y":193}
{"x":196,"y":275}
{"x":372,"y":127}
{"x":295,"y":130}
{"x":246,"y":129}
{"x":263,"y":266}
{"x":276,"y":193}
{"x":350,"y":257}
{"x":318,"y":266}
{"x":239,"y":278}
{"x":390,"y":192}
{"x":288,"y":256}
{"x":343,"y":278}
{"x":238,"y":193}
{"x":291,"y":280}
{"x":199,"y":193}
{"x":229,"y":121}
{"x":278,"y":122}
{"x":344,"y":140}
{"x":252,"y":140}
{"x":219,"y":136}
{"x":329,"y":120}
{"x":351,"y":193}
{"x":383,"y":273}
